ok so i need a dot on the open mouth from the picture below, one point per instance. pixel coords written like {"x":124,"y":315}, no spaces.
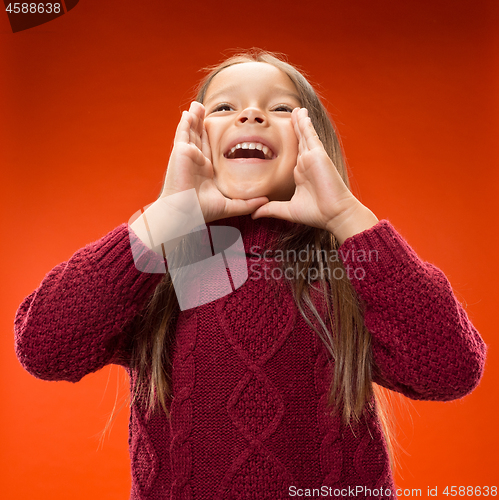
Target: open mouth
{"x":250,"y":150}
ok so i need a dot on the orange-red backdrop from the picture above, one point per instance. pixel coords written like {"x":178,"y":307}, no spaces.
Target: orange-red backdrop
{"x":89,"y":105}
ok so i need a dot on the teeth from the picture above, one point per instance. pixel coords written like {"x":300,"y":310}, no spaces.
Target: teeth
{"x":251,"y":145}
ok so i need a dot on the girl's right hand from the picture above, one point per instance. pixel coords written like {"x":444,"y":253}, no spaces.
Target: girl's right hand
{"x":190,"y":166}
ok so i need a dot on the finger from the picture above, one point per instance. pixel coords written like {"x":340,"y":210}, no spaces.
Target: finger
{"x":188,"y":127}
{"x":294,"y":120}
{"x":198,"y":110}
{"x":309,"y":134}
{"x":183,"y":129}
{"x":298,"y":133}
{"x":294,"y":116}
{"x":300,"y":127}
{"x":197,"y":134}
{"x":196,"y":123}
{"x":274,"y":209}
{"x":303,"y":144}
{"x":244,"y":207}
{"x":194,"y":111}
{"x":194,"y":138}
{"x":197,"y":156}
{"x":194,"y":135}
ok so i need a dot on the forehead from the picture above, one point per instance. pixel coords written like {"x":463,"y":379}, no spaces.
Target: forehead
{"x":249,"y":76}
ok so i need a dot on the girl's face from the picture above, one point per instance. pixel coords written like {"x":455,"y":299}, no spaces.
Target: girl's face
{"x":248,"y":121}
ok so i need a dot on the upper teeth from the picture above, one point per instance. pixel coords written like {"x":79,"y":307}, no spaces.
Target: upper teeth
{"x":253,"y":145}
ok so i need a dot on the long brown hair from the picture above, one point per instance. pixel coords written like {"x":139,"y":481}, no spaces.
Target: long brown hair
{"x":341,"y":329}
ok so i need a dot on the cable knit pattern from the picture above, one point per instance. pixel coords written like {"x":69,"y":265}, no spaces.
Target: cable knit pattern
{"x":255,"y":406}
{"x":181,"y":410}
{"x":250,"y":379}
{"x":331,"y":457}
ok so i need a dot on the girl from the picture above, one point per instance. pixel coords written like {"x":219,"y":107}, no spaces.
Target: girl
{"x":266,"y":392}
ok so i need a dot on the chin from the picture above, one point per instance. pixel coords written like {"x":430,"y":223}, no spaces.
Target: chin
{"x":242,"y":192}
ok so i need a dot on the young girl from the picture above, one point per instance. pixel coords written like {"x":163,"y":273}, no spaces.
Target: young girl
{"x":266,"y":391}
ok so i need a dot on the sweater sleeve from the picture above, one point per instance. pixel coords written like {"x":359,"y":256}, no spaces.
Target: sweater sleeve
{"x":73,"y":323}
{"x":424,"y":345}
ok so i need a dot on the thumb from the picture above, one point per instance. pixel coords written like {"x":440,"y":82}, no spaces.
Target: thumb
{"x":244,"y":207}
{"x":275,"y":209}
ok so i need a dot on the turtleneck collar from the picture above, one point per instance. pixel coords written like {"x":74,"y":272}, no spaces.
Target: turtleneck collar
{"x":258,"y":235}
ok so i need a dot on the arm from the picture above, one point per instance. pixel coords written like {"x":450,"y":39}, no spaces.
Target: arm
{"x":424,"y":345}
{"x":72,"y":324}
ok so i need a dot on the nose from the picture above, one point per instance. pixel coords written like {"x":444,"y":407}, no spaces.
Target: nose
{"x":252,"y":115}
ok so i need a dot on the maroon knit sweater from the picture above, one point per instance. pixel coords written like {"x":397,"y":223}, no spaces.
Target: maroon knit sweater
{"x":250,"y":377}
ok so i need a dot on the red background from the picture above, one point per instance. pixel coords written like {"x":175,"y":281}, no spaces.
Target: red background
{"x":88,"y":108}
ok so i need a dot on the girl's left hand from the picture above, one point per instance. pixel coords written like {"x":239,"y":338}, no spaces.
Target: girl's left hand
{"x":321,"y":198}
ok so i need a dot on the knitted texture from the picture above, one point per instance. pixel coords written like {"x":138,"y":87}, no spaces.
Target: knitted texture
{"x":250,"y":377}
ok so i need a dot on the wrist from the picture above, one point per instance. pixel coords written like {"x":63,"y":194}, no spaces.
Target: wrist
{"x":166,"y":221}
{"x":353,"y":219}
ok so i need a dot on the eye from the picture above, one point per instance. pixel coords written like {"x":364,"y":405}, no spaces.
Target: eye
{"x":222,"y":107}
{"x":284,"y":107}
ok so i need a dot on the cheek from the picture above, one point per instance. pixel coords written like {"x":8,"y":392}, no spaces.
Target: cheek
{"x":293,"y":146}
{"x":211,"y":132}
{"x":207,"y":127}
{"x":292,"y":139}
{"x":211,"y":140}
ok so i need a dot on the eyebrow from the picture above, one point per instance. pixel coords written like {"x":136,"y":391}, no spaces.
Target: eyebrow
{"x":275,"y":90}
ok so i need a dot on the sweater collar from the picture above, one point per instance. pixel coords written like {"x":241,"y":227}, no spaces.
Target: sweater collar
{"x":258,"y":235}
